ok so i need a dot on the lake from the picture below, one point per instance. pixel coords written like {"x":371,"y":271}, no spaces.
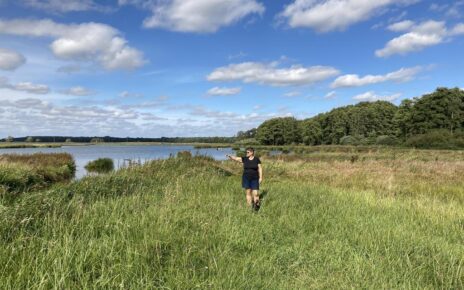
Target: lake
{"x":121,"y":154}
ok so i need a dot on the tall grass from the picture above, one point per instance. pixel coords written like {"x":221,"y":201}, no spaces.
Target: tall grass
{"x":20,"y":173}
{"x":182,"y":223}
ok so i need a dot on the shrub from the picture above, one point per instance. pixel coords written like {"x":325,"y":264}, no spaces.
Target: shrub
{"x":440,"y":139}
{"x":101,"y":165}
{"x":349,"y":140}
{"x":386,"y":140}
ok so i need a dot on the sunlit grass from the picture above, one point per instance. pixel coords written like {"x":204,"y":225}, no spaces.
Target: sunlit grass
{"x":182,"y":223}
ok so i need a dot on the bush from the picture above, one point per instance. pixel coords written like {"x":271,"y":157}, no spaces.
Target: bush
{"x":438,"y":139}
{"x":386,"y":140}
{"x":101,"y":165}
{"x":349,"y":140}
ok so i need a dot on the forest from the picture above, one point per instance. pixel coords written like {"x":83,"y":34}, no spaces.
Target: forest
{"x":434,"y":120}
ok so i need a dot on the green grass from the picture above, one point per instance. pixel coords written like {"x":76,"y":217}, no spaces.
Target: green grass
{"x":182,"y":223}
{"x":20,"y":173}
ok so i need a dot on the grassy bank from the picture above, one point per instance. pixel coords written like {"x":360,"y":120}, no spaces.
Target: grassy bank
{"x":182,"y":223}
{"x":21,"y":173}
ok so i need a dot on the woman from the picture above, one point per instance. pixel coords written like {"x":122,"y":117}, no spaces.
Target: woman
{"x":252,"y":176}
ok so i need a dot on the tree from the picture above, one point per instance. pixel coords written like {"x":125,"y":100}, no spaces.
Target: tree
{"x":29,"y":139}
{"x":311,"y":130}
{"x":68,"y":140}
{"x":9,"y":139}
{"x":279,"y":131}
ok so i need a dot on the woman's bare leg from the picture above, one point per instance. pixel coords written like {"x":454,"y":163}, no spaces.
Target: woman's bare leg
{"x":248,"y":196}
{"x":255,"y":197}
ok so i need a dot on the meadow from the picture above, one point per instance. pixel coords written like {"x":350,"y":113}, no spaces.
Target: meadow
{"x":337,"y":218}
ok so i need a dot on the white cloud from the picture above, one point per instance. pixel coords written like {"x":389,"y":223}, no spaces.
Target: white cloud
{"x":328,"y":15}
{"x":217,"y":91}
{"x":292,"y":94}
{"x":353,"y":80}
{"x":24,"y":87}
{"x":418,"y":37}
{"x":87,"y":41}
{"x":271,"y":74}
{"x":404,"y":25}
{"x":372,"y":97}
{"x":10,"y":60}
{"x":203,"y":16}
{"x":127,"y":94}
{"x":330,"y":95}
{"x":64,"y":6}
{"x":78,"y":91}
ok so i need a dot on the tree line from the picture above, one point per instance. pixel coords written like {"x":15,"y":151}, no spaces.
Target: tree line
{"x":437,"y":117}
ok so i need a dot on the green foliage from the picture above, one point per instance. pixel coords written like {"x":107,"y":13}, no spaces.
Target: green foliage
{"x":349,"y":140}
{"x":279,"y":131}
{"x":250,"y":134}
{"x":370,"y":122}
{"x":9,"y":139}
{"x":440,"y":139}
{"x":386,"y":140}
{"x":20,"y":173}
{"x":29,"y":139}
{"x":68,"y":140}
{"x":246,"y":142}
{"x":101,"y":165}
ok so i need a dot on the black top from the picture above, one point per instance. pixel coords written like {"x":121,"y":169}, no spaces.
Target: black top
{"x":250,"y":167}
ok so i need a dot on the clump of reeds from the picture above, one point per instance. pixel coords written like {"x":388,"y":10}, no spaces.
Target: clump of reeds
{"x":101,"y":165}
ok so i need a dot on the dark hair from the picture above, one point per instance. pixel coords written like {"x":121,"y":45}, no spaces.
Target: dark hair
{"x":250,"y":149}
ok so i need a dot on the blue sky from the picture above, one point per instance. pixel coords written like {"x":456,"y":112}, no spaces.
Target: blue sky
{"x":152,"y":68}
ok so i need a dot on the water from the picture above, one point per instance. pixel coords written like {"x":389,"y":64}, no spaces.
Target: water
{"x":121,"y":154}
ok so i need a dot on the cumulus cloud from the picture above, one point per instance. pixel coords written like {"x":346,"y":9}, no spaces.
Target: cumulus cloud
{"x":78,"y":91}
{"x":272,"y":74}
{"x":65,"y":6}
{"x":328,"y":15}
{"x":94,"y":42}
{"x":218,"y":91}
{"x":10,"y":60}
{"x":418,"y":37}
{"x":201,"y":16}
{"x":354,"y":80}
{"x":372,"y":97}
{"x":24,"y":87}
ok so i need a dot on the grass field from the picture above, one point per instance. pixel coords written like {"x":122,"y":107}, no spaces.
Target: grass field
{"x":379,"y":220}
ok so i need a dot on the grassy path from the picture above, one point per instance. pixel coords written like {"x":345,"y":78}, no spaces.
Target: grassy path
{"x":180,"y":224}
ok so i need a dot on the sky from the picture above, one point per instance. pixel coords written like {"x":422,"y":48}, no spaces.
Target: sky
{"x":153,"y":68}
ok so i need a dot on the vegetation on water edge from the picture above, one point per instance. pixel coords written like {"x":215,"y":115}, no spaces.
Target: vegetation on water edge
{"x":101,"y":165}
{"x":27,"y":145}
{"x":22,"y":173}
{"x":182,"y":223}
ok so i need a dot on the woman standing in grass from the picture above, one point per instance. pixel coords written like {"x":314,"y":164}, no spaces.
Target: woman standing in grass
{"x":252,"y":176}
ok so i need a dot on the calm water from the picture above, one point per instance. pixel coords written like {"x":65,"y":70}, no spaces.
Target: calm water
{"x":121,"y":154}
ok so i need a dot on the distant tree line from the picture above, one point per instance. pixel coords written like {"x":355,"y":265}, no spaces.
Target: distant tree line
{"x":433,"y":120}
{"x":96,"y":139}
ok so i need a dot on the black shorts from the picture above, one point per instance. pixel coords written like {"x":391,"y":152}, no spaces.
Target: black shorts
{"x":250,"y":183}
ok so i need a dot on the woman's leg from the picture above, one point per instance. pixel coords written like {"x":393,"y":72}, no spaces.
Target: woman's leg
{"x":248,"y":196}
{"x":256,"y":197}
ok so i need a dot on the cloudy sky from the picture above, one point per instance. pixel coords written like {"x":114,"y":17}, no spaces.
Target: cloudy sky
{"x":152,"y":68}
